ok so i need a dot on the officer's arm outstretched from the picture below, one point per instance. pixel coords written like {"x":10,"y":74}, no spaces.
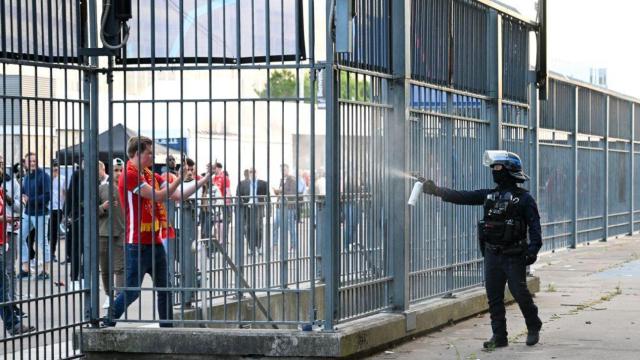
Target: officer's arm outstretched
{"x":475,"y":197}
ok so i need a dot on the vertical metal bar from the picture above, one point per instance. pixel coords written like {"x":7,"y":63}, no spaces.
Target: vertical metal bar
{"x":332,"y":235}
{"x":493,"y":77}
{"x":534,"y":128}
{"x":90,"y":231}
{"x":631,"y":166}
{"x":499,"y":79}
{"x":574,"y":168}
{"x":606,"y":170}
{"x":450,"y":217}
{"x":312,"y":201}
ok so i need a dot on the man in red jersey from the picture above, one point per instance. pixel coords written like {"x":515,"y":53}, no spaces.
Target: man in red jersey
{"x":142,"y":194}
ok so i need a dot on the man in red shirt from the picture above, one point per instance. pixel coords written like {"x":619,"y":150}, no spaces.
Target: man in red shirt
{"x":222,"y":182}
{"x":142,"y":194}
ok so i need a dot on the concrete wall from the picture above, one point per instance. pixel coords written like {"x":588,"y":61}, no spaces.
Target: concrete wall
{"x":352,"y":338}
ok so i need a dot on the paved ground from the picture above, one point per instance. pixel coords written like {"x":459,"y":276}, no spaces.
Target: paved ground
{"x":588,"y":302}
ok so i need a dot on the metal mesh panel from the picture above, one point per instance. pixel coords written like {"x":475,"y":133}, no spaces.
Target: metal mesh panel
{"x":591,"y":195}
{"x":559,"y":111}
{"x":555,"y":195}
{"x":429,"y":36}
{"x":371,"y":36}
{"x":619,"y":191}
{"x":515,"y":132}
{"x":444,"y":248}
{"x":619,"y":118}
{"x":469,"y":46}
{"x":636,"y":122}
{"x":364,"y":275}
{"x":636,"y":183}
{"x":515,"y":59}
{"x":41,"y":30}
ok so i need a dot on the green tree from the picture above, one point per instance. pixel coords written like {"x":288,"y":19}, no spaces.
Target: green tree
{"x":354,"y":87}
{"x":282,"y":84}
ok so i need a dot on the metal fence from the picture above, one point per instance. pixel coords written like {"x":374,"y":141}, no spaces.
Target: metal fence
{"x":424,"y":87}
{"x":587,"y":192}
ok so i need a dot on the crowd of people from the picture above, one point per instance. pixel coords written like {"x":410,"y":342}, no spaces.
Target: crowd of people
{"x":147,"y":224}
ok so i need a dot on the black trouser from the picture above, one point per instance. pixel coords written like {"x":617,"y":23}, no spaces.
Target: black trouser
{"x":511,"y":269}
{"x":54,"y":227}
{"x":252,"y":226}
{"x":75,"y":248}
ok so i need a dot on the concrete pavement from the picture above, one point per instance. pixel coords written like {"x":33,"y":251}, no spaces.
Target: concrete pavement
{"x":588,"y":301}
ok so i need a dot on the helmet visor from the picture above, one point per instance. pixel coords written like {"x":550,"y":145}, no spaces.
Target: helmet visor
{"x":490,"y":157}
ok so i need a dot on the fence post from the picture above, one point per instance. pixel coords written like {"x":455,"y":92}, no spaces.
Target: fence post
{"x":534,"y":120}
{"x":331,"y":237}
{"x":574,"y":237}
{"x":632,"y":164}
{"x":396,"y":153}
{"x":89,"y":149}
{"x":494,"y":74}
{"x":606,"y":170}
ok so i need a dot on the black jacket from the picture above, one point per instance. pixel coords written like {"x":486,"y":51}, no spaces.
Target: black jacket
{"x":73,"y":206}
{"x":527,"y":208}
{"x":244,"y":190}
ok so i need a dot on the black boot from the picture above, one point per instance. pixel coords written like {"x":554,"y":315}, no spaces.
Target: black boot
{"x":533,"y":336}
{"x":495,"y":342}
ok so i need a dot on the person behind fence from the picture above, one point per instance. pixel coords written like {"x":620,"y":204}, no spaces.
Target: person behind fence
{"x":287,"y":195}
{"x":74,"y":211}
{"x":36,"y":194}
{"x":142,"y":194}
{"x":11,"y":206}
{"x":509,"y":211}
{"x":58,"y":193}
{"x":209,"y":210}
{"x":222,"y":181}
{"x":186,"y":225}
{"x":111,"y":231}
{"x":10,"y":317}
{"x":320,"y":190}
{"x":253,"y":194}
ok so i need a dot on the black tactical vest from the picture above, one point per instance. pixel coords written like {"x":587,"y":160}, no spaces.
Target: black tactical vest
{"x":502,"y":226}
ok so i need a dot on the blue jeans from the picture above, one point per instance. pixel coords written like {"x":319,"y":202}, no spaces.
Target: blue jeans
{"x":141,"y":260}
{"x":7,"y":312}
{"x":290,"y":223}
{"x":40,"y":224}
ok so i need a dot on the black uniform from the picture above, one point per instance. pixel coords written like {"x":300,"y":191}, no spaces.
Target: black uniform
{"x":503,"y":242}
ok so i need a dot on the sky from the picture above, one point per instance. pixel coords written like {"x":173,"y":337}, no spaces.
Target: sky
{"x":593,"y":33}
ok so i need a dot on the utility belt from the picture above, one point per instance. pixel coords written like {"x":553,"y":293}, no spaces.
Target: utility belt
{"x":502,"y":237}
{"x":510,"y":250}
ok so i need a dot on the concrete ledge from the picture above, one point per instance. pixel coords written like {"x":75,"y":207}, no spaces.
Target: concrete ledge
{"x":355,"y":337}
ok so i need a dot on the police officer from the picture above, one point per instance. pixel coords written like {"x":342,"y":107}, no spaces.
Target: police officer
{"x":509,"y":211}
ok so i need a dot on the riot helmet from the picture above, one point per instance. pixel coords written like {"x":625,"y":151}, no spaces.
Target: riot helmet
{"x":510,"y":162}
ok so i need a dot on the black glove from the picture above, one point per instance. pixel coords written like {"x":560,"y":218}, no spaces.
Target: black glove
{"x":530,"y":259}
{"x":428,"y":186}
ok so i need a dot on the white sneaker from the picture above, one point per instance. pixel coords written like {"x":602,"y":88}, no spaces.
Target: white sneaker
{"x":106,"y":304}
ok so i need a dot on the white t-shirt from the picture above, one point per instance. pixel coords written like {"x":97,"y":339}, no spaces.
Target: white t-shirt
{"x":58,"y":191}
